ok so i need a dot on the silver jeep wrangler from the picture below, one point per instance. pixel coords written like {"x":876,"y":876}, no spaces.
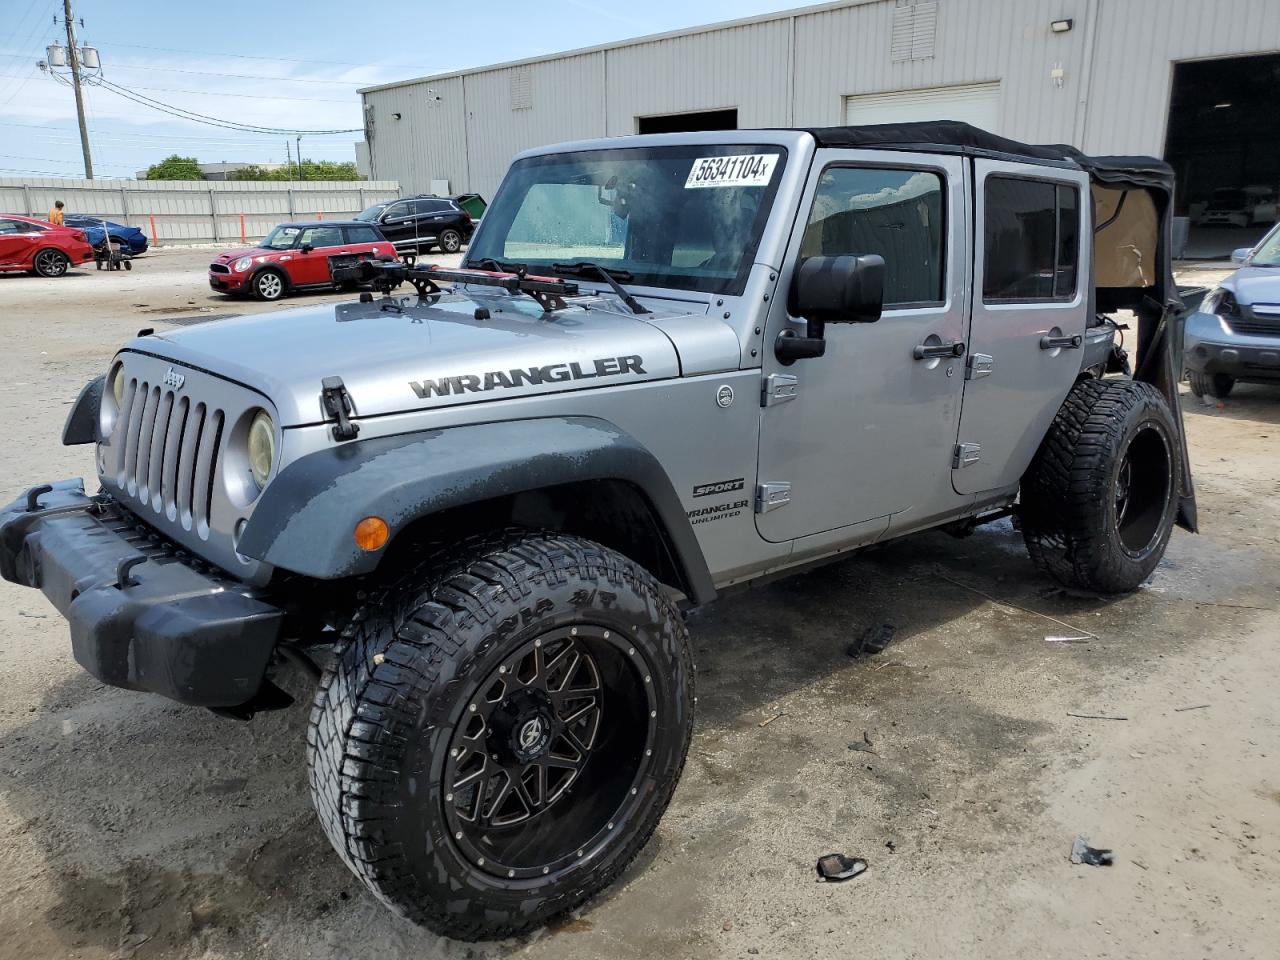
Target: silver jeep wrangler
{"x":669,"y":366}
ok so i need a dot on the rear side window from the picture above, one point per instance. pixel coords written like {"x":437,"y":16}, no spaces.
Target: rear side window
{"x":362,"y":235}
{"x":897,"y":214}
{"x":1031,"y":240}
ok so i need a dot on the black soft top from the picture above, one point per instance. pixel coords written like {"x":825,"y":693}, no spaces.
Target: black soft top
{"x":952,"y":136}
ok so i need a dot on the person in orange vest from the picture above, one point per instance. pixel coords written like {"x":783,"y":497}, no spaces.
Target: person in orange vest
{"x":55,"y":215}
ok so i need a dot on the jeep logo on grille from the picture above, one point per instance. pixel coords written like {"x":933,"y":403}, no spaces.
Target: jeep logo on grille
{"x":173,"y":379}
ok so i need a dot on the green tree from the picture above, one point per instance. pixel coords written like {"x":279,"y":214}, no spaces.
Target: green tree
{"x":175,"y":168}
{"x":311,"y":170}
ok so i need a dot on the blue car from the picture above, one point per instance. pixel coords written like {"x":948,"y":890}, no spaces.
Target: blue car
{"x":133,"y":240}
{"x":1235,"y":333}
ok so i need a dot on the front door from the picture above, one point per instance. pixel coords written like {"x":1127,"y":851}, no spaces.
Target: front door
{"x":312,"y":266}
{"x":16,"y":240}
{"x":1030,"y":303}
{"x":867,"y":430}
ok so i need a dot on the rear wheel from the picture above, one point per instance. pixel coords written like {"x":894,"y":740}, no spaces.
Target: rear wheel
{"x":450,"y":241}
{"x":1098,"y":502}
{"x":268,"y":285}
{"x":1218,"y":385}
{"x":51,"y":263}
{"x":501,"y":731}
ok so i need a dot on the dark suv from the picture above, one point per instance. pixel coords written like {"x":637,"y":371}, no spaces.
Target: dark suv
{"x":417,"y":224}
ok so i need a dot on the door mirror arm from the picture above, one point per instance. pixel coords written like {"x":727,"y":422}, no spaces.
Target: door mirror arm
{"x":306,"y":248}
{"x":790,"y":346}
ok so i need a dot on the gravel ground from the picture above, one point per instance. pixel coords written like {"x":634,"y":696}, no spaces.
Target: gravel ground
{"x":133,"y":827}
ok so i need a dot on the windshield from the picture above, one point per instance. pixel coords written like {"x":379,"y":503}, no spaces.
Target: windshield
{"x":281,"y":238}
{"x":1268,"y":252}
{"x":371,"y":213}
{"x":688,"y":217}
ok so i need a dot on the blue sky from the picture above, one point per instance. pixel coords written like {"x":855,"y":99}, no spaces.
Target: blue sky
{"x":277,"y":63}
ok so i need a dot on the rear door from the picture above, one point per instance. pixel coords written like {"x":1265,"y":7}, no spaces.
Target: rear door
{"x":398,"y":224}
{"x":1030,"y":304}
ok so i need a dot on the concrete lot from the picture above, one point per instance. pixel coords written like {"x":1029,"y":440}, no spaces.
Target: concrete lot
{"x":133,"y":827}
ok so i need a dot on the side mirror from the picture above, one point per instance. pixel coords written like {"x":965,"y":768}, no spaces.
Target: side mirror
{"x":831,"y":290}
{"x":307,"y":248}
{"x":1241,"y":255}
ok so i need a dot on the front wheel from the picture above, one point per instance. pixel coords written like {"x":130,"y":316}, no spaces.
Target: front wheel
{"x":1218,"y":385}
{"x":450,"y":241}
{"x":51,"y":263}
{"x":268,"y":285}
{"x":1099,"y":501}
{"x":501,"y":731}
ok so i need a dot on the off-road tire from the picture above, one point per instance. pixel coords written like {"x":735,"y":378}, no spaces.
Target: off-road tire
{"x":269,"y":285}
{"x":1078,"y":525}
{"x":450,"y":240}
{"x":410,"y":665}
{"x":50,"y":263}
{"x":1218,"y":385}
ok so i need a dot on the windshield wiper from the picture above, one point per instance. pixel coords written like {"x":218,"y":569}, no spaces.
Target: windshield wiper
{"x":585,"y":268}
{"x":497,"y":266}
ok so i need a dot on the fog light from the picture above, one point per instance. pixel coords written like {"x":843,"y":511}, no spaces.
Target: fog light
{"x":372,"y":534}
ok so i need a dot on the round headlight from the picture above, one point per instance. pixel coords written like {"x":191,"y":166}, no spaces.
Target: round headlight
{"x":243,"y":264}
{"x":262,"y":447}
{"x":117,"y":385}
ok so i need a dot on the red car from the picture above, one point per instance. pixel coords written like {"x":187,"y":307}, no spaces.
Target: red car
{"x":296,"y":256}
{"x":40,"y":247}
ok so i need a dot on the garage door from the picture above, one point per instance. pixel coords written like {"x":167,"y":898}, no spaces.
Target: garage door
{"x":975,"y":103}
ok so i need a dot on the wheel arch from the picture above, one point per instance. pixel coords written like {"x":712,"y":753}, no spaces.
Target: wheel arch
{"x":580,"y":475}
{"x":271,"y":268}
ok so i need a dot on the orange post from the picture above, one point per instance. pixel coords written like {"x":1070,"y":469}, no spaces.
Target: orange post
{"x":242,"y":236}
{"x":155,"y":237}
{"x":319,"y":216}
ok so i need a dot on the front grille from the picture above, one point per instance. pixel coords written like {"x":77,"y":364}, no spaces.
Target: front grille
{"x":219,"y":268}
{"x":170,"y":455}
{"x":1255,"y":326}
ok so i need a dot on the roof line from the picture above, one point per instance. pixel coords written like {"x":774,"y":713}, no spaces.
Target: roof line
{"x":620,"y":44}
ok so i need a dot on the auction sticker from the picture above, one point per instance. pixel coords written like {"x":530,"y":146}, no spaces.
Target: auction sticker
{"x":751,"y":170}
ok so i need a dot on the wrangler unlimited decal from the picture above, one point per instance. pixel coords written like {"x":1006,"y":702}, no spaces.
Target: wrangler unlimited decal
{"x":506,"y":379}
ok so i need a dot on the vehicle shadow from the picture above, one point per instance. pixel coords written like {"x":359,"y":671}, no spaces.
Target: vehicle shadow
{"x":1255,"y":402}
{"x":169,"y":832}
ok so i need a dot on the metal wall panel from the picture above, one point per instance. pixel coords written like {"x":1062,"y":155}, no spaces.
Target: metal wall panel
{"x":1103,"y":85}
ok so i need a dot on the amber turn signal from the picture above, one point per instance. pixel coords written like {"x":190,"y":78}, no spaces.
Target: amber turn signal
{"x":372,"y":534}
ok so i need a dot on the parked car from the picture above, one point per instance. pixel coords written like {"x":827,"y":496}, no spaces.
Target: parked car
{"x":487,"y":506}
{"x":131,"y":239}
{"x":297,"y":256}
{"x":1227,"y":207}
{"x":419,"y":224}
{"x":1234,"y":335}
{"x":40,"y":247}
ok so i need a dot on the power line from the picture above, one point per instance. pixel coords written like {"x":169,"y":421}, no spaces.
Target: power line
{"x":206,"y":119}
{"x":129,"y":136}
{"x":247,"y":56}
{"x":216,"y":73}
{"x":246,"y":96}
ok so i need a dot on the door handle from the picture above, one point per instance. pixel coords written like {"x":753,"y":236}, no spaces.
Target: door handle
{"x":932,"y":351}
{"x":1051,"y":342}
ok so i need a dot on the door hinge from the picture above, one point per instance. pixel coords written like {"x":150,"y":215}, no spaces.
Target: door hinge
{"x":770,"y":496}
{"x":336,"y":403}
{"x":778,"y":388}
{"x":966,"y":454}
{"x":979,"y":365}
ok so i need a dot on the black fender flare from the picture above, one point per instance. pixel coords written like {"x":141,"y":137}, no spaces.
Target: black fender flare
{"x":82,"y":422}
{"x":306,"y":518}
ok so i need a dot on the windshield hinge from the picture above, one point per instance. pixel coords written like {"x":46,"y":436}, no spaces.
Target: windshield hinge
{"x":337,"y":405}
{"x":778,"y":388}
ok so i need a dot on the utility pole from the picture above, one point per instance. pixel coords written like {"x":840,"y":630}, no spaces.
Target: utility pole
{"x":74,"y":53}
{"x":301,"y":176}
{"x":288,"y":158}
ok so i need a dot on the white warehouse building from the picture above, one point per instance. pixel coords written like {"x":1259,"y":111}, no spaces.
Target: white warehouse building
{"x":1194,"y":81}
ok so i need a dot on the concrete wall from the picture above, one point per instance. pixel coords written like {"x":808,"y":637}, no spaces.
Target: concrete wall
{"x":196,"y":210}
{"x":796,"y":68}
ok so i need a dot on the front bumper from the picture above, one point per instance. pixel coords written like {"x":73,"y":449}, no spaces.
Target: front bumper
{"x":141,"y":616}
{"x":1210,"y":347}
{"x":228,"y":282}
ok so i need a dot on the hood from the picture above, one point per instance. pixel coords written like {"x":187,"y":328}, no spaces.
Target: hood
{"x":1255,"y":285}
{"x":232,"y":255}
{"x":404,"y":354}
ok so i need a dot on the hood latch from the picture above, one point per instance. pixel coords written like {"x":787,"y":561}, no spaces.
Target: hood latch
{"x":336,"y":402}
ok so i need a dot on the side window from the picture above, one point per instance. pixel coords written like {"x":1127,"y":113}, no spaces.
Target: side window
{"x":362,"y":235}
{"x":430,"y":206}
{"x":897,"y":214}
{"x":9,"y":226}
{"x":321,"y":237}
{"x":398,"y":211}
{"x":1031,"y":239}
